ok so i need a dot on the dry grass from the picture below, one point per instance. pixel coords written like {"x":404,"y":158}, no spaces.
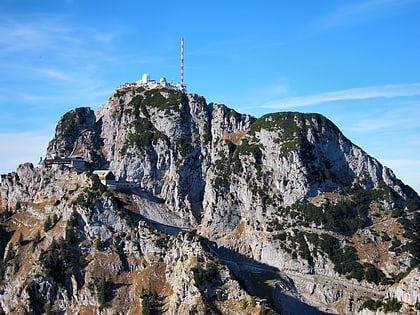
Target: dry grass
{"x":25,"y":258}
{"x":25,"y":223}
{"x":153,"y":278}
{"x":368,"y":250}
{"x":332,"y":197}
{"x":40,"y":204}
{"x":87,"y":310}
{"x":234,"y":137}
{"x":240,"y":230}
{"x":130,"y":285}
{"x":235,"y":307}
{"x":371,"y":247}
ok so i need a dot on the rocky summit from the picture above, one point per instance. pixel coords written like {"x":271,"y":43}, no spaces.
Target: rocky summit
{"x":162,"y":203}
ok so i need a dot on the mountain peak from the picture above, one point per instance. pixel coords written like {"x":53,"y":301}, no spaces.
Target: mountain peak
{"x":281,"y":211}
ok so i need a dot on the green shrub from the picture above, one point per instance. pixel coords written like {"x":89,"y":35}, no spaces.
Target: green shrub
{"x":413,"y":248}
{"x":220,"y":295}
{"x":119,"y":93}
{"x":292,"y":129}
{"x":66,"y":126}
{"x":36,"y":300}
{"x":146,"y":305}
{"x":395,"y":244}
{"x":275,"y":225}
{"x":280,"y":236}
{"x":244,"y":304}
{"x":345,"y":216}
{"x":147,"y":301}
{"x":392,"y":305}
{"x":371,"y":305}
{"x":344,"y":259}
{"x":412,"y":204}
{"x":20,"y":239}
{"x":248,"y":147}
{"x":397,"y":212}
{"x":36,"y":241}
{"x":99,"y":244}
{"x":5,"y":215}
{"x":253,"y":301}
{"x":375,"y":275}
{"x":71,"y":228}
{"x":304,"y":251}
{"x":47,"y":224}
{"x":53,"y":264}
{"x":91,"y":196}
{"x":101,"y":291}
{"x":144,"y":136}
{"x":385,"y":237}
{"x":55,"y":219}
{"x":205,"y":276}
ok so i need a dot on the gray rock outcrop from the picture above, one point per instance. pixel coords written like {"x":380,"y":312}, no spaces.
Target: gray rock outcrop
{"x":283,"y":207}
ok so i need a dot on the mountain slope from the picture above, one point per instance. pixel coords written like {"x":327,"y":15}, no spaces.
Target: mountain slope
{"x":283,"y":208}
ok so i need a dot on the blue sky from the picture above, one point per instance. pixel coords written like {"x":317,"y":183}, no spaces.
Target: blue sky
{"x":356,"y":62}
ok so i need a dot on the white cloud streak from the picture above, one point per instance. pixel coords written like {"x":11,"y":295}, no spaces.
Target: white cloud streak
{"x":49,"y":58}
{"x":39,"y":40}
{"x":373,"y":125}
{"x":362,"y":93}
{"x":361,"y":11}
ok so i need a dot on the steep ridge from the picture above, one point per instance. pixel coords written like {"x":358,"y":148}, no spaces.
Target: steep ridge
{"x":283,"y":211}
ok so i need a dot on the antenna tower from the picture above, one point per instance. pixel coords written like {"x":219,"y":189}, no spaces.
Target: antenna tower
{"x":182,"y":65}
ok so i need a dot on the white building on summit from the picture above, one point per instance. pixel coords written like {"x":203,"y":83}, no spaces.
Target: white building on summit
{"x":145,"y":78}
{"x":148,"y":83}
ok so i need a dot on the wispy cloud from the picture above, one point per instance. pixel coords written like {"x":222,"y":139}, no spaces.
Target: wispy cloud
{"x":361,"y":11}
{"x":35,"y":33}
{"x":372,"y":125}
{"x":54,"y":74}
{"x":385,"y":91}
{"x":42,"y":38}
{"x":50,"y":58}
{"x":395,"y":116}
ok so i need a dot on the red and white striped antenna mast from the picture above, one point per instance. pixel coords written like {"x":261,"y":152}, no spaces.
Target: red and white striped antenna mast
{"x":182,"y":65}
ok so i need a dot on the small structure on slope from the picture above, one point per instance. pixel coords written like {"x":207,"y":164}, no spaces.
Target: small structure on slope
{"x":106,"y":177}
{"x":76,"y":162}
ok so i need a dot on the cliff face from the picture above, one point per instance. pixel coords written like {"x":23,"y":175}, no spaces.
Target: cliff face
{"x":282,"y":209}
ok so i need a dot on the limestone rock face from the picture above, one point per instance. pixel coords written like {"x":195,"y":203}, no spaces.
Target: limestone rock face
{"x":406,"y":293}
{"x":230,"y":214}
{"x":75,"y":135}
{"x":407,"y":290}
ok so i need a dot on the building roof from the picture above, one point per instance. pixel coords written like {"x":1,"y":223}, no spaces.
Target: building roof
{"x":102,"y":172}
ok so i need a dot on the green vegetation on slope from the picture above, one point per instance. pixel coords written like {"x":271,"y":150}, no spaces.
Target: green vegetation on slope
{"x":66,"y":126}
{"x":92,"y":195}
{"x":292,"y":128}
{"x":145,"y":133}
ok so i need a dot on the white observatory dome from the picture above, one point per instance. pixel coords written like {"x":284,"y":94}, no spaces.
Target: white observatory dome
{"x":163,"y":82}
{"x":145,"y":78}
